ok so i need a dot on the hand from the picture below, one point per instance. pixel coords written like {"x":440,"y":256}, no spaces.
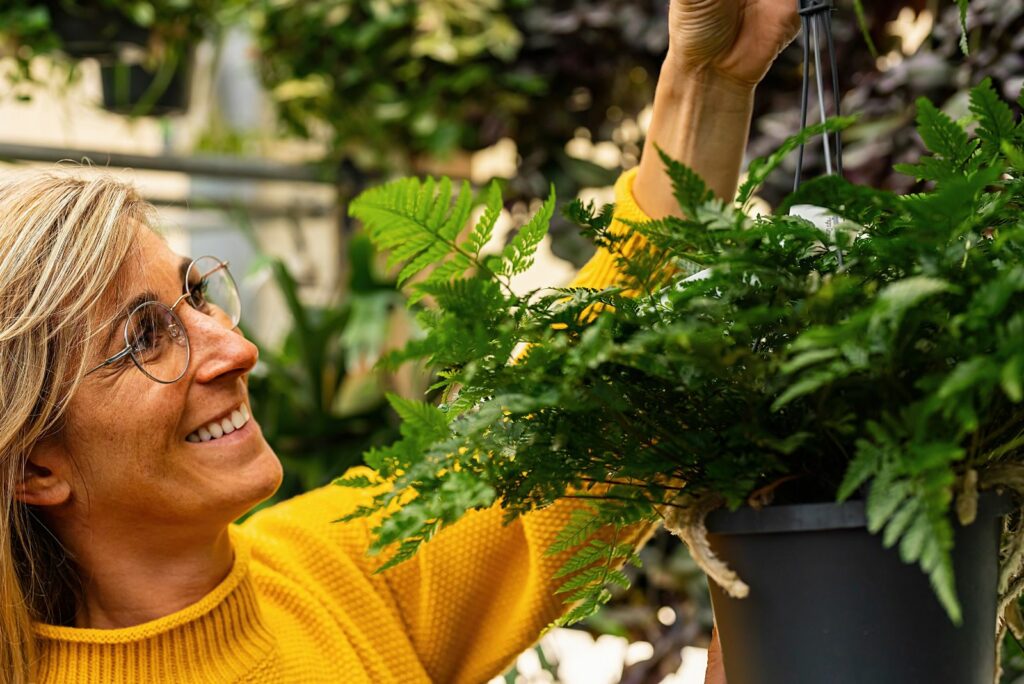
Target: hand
{"x":715,"y":673}
{"x":735,"y":39}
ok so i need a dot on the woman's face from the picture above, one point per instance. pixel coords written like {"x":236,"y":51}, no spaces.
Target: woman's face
{"x":137,"y":462}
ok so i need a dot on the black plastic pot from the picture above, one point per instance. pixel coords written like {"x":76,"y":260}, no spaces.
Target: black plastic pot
{"x":829,"y":604}
{"x":132,"y":89}
{"x":88,"y":31}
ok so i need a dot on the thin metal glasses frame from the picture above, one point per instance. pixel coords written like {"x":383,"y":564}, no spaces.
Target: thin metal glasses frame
{"x":127,"y":351}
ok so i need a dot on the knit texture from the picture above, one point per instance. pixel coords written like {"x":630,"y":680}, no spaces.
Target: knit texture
{"x":303,"y":606}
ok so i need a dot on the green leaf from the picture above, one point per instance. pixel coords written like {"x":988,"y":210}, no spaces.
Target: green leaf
{"x":689,"y":188}
{"x":942,"y":135}
{"x":1010,"y":378}
{"x":357,"y":481}
{"x":518,"y":255}
{"x":590,"y":554}
{"x":806,"y":384}
{"x":484,"y":228}
{"x":420,"y":420}
{"x":883,"y":500}
{"x":864,"y":465}
{"x":962,"y":5}
{"x":902,"y":295}
{"x":583,"y":522}
{"x":406,"y":550}
{"x":415,"y":222}
{"x":995,"y":118}
{"x":927,"y":169}
{"x":899,"y":522}
{"x":967,"y":375}
{"x":865,"y":28}
{"x":589,"y":576}
{"x":588,"y":607}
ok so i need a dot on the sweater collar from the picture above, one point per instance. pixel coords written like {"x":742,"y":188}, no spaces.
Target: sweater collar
{"x":218,"y":638}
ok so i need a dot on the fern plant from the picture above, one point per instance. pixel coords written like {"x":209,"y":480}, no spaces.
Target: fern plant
{"x":778,"y":374}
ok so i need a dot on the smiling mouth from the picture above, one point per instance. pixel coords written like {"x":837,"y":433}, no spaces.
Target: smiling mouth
{"x":236,"y":420}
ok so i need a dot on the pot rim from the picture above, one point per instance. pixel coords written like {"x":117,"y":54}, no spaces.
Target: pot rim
{"x":817,"y":517}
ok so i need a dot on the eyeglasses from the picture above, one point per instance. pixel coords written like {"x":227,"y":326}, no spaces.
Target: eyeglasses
{"x":154,"y":336}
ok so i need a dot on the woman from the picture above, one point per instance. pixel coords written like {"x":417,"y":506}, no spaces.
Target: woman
{"x":127,"y":447}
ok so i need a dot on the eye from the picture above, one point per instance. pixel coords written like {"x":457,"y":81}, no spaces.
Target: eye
{"x":145,"y":333}
{"x":197,"y":293}
{"x":149,"y":329}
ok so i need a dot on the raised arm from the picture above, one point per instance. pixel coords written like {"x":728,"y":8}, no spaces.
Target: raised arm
{"x":719,"y":50}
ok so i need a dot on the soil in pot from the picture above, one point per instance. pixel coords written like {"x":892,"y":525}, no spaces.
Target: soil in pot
{"x":828,"y":604}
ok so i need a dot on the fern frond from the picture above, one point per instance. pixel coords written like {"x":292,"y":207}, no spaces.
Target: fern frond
{"x":415,"y":222}
{"x":484,"y":228}
{"x":518,"y":255}
{"x":582,"y":523}
{"x":995,"y":118}
{"x":942,"y":135}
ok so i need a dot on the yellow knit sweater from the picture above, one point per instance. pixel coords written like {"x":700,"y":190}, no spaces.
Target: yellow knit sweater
{"x":302,"y":605}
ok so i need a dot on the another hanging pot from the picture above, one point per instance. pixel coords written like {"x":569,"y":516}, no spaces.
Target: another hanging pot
{"x":133,"y":89}
{"x":89,"y":31}
{"x":829,"y":604}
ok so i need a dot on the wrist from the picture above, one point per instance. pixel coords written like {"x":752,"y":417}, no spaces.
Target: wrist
{"x":701,"y":119}
{"x":683,"y":75}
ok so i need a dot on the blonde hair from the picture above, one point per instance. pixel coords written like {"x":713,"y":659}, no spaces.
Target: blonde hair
{"x":63,"y":238}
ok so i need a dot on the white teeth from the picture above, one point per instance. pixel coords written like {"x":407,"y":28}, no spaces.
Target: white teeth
{"x":225,"y":426}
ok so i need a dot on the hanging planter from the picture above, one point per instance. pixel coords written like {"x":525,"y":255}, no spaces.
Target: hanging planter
{"x":828,"y":603}
{"x":88,"y":30}
{"x":820,"y":404}
{"x":781,"y":369}
{"x":137,"y":90}
{"x":145,"y":49}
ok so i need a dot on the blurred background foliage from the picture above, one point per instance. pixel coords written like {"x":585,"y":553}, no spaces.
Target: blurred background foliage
{"x":398,"y":86}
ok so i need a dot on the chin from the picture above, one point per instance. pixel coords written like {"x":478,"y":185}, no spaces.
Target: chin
{"x":268,"y":477}
{"x":256,"y":483}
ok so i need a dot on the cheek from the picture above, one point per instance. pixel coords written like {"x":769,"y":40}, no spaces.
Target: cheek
{"x":125,"y":432}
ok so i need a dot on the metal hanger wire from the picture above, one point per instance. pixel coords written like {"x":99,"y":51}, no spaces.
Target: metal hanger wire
{"x":816,"y":22}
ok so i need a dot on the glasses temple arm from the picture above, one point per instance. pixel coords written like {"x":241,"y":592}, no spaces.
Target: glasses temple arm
{"x":113,"y":359}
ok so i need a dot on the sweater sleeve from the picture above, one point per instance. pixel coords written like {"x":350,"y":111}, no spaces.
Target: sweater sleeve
{"x":480,"y":592}
{"x":601,"y":271}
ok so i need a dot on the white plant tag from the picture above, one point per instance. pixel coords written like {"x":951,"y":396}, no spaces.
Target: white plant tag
{"x":819,"y":216}
{"x":699,"y":275}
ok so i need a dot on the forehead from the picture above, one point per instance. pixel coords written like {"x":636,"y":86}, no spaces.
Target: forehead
{"x":151,"y":257}
{"x":151,"y":266}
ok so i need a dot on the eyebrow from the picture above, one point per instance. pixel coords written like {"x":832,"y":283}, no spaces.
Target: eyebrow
{"x":139,"y":300}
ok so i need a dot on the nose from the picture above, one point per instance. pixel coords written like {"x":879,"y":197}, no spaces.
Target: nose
{"x":217,"y":350}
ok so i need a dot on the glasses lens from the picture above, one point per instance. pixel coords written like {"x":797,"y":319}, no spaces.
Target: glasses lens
{"x":158,"y":341}
{"x":212,"y":290}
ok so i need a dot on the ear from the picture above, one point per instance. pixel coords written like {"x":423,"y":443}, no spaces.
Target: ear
{"x":45,"y":479}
